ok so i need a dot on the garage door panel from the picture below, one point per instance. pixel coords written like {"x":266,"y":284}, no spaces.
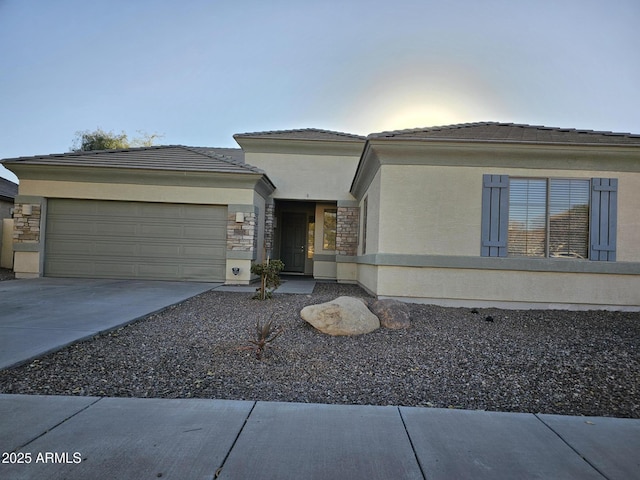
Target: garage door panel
{"x":61,"y":226}
{"x":196,"y":251}
{"x":114,"y":229}
{"x":213,"y":233}
{"x":162,"y":231}
{"x":89,"y":238}
{"x":159,"y":250}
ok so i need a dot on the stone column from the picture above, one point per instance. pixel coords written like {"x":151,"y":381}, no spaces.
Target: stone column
{"x":347,"y":223}
{"x":242,"y":236}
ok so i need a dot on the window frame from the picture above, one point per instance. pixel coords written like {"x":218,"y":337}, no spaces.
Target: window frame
{"x":333,"y":210}
{"x":548,"y":215}
{"x":603,"y":212}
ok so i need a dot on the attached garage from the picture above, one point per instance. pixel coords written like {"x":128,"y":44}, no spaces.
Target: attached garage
{"x":154,"y":213}
{"x":142,"y":240}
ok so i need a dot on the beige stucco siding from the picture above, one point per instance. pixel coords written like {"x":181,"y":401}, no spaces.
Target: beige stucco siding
{"x":307,"y":177}
{"x":436,"y":210}
{"x":373,"y":216}
{"x":136,"y":192}
{"x":450,"y":286}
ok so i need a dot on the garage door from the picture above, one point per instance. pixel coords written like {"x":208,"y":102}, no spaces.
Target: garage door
{"x":156,"y":241}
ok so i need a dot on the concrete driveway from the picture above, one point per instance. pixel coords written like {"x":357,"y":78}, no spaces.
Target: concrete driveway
{"x":41,"y":315}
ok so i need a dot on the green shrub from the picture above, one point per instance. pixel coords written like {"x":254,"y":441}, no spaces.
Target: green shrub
{"x":269,"y":273}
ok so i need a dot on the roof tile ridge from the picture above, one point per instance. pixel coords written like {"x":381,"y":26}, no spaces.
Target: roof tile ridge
{"x":224,"y":158}
{"x":77,"y":153}
{"x":300,"y":130}
{"x":434,"y":128}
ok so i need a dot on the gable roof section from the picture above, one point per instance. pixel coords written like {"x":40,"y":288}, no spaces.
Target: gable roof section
{"x":303,"y":134}
{"x":510,"y":132}
{"x":8,"y":190}
{"x":170,"y":157}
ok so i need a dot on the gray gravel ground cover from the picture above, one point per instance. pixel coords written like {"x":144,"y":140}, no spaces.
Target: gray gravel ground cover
{"x":6,"y":274}
{"x":575,"y":363}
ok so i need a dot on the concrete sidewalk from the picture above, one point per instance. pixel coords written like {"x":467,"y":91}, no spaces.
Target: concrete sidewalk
{"x":60,"y":437}
{"x":41,"y":315}
{"x":296,"y":284}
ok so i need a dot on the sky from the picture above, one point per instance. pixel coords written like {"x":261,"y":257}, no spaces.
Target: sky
{"x":197,"y":72}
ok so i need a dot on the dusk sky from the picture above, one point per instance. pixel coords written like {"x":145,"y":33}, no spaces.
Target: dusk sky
{"x":198,"y":71}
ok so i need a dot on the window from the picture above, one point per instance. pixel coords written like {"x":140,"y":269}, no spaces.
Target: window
{"x":311,"y":235}
{"x":549,"y":217}
{"x":329,"y":229}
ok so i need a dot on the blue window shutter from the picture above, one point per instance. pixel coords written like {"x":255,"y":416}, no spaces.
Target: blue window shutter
{"x":604,"y":212}
{"x":495,"y":215}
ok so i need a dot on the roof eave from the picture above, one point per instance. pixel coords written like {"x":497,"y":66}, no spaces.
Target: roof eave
{"x":305,"y":146}
{"x":449,"y":140}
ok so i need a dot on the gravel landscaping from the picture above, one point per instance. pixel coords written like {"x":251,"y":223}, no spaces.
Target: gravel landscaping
{"x":576,"y":363}
{"x":6,"y":274}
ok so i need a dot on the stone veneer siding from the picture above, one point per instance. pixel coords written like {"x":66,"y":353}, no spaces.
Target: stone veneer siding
{"x":26,"y":228}
{"x":242,"y":237}
{"x":347,"y":222}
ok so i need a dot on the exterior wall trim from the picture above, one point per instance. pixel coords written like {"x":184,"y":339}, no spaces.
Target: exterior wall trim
{"x":498,"y":263}
{"x":240,"y":255}
{"x":322,"y":257}
{"x":514,"y":305}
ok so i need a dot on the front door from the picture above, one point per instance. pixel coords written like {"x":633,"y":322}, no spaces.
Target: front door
{"x":294,"y":238}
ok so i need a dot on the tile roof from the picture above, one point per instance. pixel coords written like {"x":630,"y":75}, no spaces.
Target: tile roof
{"x":169,"y":157}
{"x":511,"y":132}
{"x":8,"y":189}
{"x":303,"y":134}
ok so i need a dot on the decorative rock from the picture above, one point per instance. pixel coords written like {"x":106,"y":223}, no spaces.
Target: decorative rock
{"x":391,"y":313}
{"x":342,"y":316}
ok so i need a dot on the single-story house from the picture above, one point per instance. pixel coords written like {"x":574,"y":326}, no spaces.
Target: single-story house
{"x":478,"y":214}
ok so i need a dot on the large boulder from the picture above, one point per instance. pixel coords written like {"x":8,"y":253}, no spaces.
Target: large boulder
{"x":342,"y":316}
{"x":391,"y":313}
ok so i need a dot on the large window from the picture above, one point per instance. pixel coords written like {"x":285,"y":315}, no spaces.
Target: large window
{"x":548,"y":217}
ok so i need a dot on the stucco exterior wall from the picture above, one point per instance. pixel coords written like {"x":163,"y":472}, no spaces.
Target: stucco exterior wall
{"x":307,"y":177}
{"x":424,"y":227}
{"x":510,"y":289}
{"x":436,"y":210}
{"x":373,"y":217}
{"x":136,"y":192}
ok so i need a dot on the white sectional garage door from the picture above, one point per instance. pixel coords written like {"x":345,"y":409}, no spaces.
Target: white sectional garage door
{"x":156,"y":241}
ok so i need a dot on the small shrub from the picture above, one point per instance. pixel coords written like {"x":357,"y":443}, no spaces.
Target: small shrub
{"x":263,"y":337}
{"x":269,"y":273}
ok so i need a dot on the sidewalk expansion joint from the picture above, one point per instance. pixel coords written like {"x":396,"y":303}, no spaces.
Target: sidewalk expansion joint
{"x":57,"y":424}
{"x":235,"y":440}
{"x":404,"y":425}
{"x":571,"y":447}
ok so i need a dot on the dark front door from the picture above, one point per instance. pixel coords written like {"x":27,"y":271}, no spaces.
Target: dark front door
{"x":294,"y":237}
